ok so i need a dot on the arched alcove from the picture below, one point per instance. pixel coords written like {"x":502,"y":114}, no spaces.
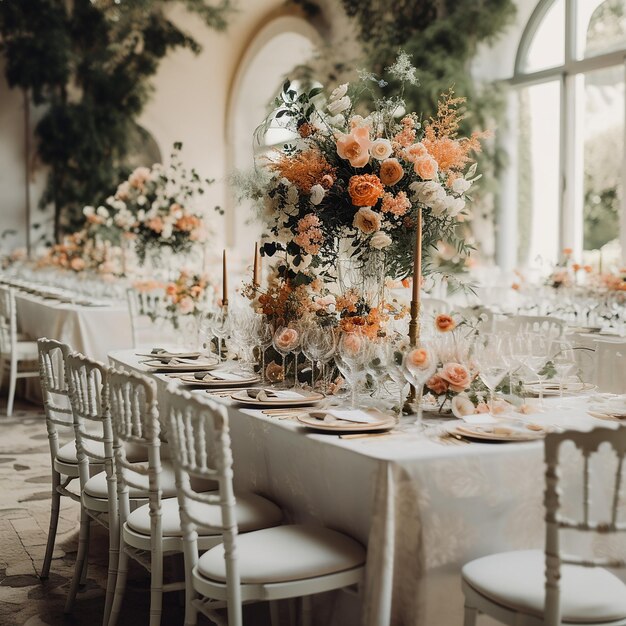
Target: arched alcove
{"x":278,"y":47}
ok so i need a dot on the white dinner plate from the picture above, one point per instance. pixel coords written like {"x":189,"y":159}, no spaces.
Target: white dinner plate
{"x":331,"y":424}
{"x":192,"y":365}
{"x":553,"y":389}
{"x":214,"y":382}
{"x":308,"y":398}
{"x":166,"y":356}
{"x":499,"y":432}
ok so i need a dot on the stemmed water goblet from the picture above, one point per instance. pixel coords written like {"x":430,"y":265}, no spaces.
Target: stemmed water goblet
{"x":492,"y":363}
{"x":537,"y":358}
{"x":319,"y":345}
{"x":419,"y":364}
{"x":262,"y":332}
{"x":563,"y":360}
{"x":350,"y":358}
{"x":221,"y":329}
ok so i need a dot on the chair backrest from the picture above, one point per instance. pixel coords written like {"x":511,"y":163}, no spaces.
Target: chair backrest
{"x":54,"y":389}
{"x":481,"y":316}
{"x":200,"y":446}
{"x":552,"y":327}
{"x":609,"y":371}
{"x":145,"y":308}
{"x":588,"y":443}
{"x":88,"y":383}
{"x":134,"y":416}
{"x":8,"y":321}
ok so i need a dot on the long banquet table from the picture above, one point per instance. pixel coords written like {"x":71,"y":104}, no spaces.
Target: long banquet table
{"x":422,"y":508}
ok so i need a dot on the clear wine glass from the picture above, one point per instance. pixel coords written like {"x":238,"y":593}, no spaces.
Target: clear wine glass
{"x":563,"y":359}
{"x":221,"y":329}
{"x":319,"y":344}
{"x":489,"y":354}
{"x":263,"y":334}
{"x":419,"y":364}
{"x":350,"y":361}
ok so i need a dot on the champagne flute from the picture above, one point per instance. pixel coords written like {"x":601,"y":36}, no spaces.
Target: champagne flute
{"x":492,"y":364}
{"x":563,"y":360}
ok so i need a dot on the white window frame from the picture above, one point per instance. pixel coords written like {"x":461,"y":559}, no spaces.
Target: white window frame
{"x":571,"y":75}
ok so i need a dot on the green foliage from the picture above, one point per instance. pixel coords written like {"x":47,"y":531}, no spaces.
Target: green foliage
{"x":90,"y":62}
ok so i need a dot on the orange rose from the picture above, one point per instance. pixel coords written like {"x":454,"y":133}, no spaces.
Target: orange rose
{"x":457,"y":376}
{"x":588,"y":269}
{"x":576,"y":267}
{"x":355,"y":147}
{"x":170,"y":289}
{"x":444,"y":323}
{"x":568,"y":251}
{"x":418,"y":357}
{"x":426,"y":168}
{"x":365,"y":189}
{"x":437,"y":385}
{"x":391,"y":172}
{"x":367,"y":221}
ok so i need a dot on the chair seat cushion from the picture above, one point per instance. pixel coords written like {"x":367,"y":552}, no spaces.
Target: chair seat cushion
{"x":96,"y":486}
{"x":516,"y":580}
{"x":285,"y":553}
{"x":25,"y":351}
{"x":67,"y":453}
{"x":253,"y":512}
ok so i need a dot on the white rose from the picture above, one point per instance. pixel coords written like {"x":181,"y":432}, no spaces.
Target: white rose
{"x":454,"y":205}
{"x":430,"y":192}
{"x":439,"y":207}
{"x":317,"y":194}
{"x":88,"y":210}
{"x":380,"y":240}
{"x":339,"y":92}
{"x":339,"y":106}
{"x":460,"y":185}
{"x":381,"y":149}
{"x":141,"y":200}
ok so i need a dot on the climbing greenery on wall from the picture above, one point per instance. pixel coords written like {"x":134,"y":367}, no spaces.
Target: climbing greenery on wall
{"x":89,"y":62}
{"x":443,"y":38}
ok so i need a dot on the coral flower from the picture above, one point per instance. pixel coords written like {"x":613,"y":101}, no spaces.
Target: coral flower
{"x":365,"y":189}
{"x":457,"y":376}
{"x":418,"y":357}
{"x":391,"y":172}
{"x":445,"y":323}
{"x":426,"y":167}
{"x":355,"y":147}
{"x":437,"y":385}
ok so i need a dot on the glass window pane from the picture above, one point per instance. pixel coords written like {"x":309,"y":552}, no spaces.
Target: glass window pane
{"x":603,"y":155}
{"x":538,"y":174}
{"x":601,"y":26}
{"x":547,"y":48}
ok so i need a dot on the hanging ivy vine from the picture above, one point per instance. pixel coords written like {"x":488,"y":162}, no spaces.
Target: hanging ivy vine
{"x":89,"y":62}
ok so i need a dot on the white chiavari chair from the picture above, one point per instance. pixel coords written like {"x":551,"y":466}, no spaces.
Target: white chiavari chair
{"x":58,"y":412}
{"x":146,"y":308}
{"x":550,"y":588}
{"x":155,"y":528}
{"x":88,"y":391}
{"x":14,"y":349}
{"x":609,"y":366}
{"x":551,"y":327}
{"x":276,"y":563}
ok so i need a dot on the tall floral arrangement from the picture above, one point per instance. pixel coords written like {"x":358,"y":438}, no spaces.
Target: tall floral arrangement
{"x":159,"y":207}
{"x":351,"y":180}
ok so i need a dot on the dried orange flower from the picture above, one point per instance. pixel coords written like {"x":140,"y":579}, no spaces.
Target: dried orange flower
{"x":305,"y":169}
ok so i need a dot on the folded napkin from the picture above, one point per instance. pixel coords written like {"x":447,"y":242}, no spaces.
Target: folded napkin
{"x":227,"y":376}
{"x":356,"y":416}
{"x":271,"y":394}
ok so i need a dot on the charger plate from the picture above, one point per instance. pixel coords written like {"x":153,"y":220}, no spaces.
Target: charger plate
{"x":308,"y":399}
{"x":499,"y":432}
{"x":157,"y":365}
{"x":343,"y":426}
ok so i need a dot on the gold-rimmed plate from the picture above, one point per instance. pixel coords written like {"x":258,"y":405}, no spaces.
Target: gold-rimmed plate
{"x":500,"y":432}
{"x":280,"y":399}
{"x":324,"y":422}
{"x":213,"y":379}
{"x":181,"y":365}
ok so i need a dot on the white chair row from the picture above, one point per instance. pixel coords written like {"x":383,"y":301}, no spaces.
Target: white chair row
{"x":141,"y":497}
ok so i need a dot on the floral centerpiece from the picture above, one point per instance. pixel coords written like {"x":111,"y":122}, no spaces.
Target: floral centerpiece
{"x":349,"y":184}
{"x":158,"y":207}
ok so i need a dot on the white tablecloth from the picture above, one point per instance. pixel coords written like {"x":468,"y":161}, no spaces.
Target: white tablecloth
{"x":92,"y":330}
{"x":423,"y":509}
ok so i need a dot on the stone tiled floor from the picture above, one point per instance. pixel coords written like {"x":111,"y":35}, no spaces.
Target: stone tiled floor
{"x":24,"y":519}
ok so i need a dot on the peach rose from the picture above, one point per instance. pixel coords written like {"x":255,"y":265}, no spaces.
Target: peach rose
{"x":456,"y":375}
{"x":444,"y":323}
{"x":381,"y":149}
{"x":77,"y":264}
{"x":437,"y":385}
{"x":568,"y":251}
{"x":287,"y":339}
{"x":365,"y":189}
{"x":355,"y":147}
{"x":186,"y":305}
{"x":415,"y":151}
{"x":391,"y":172}
{"x":367,"y":221}
{"x":352,"y":343}
{"x":418,"y":357}
{"x":155,"y":224}
{"x":426,"y":168}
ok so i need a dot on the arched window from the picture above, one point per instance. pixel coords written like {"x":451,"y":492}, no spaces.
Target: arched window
{"x":567,"y":149}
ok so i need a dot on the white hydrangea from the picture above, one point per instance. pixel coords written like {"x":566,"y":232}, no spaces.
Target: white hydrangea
{"x":141,"y":200}
{"x":103,"y":212}
{"x":460,"y":185}
{"x":429,"y":192}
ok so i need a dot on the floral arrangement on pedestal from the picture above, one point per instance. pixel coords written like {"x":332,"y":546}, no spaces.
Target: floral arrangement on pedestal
{"x":158,"y":207}
{"x":350,"y":182}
